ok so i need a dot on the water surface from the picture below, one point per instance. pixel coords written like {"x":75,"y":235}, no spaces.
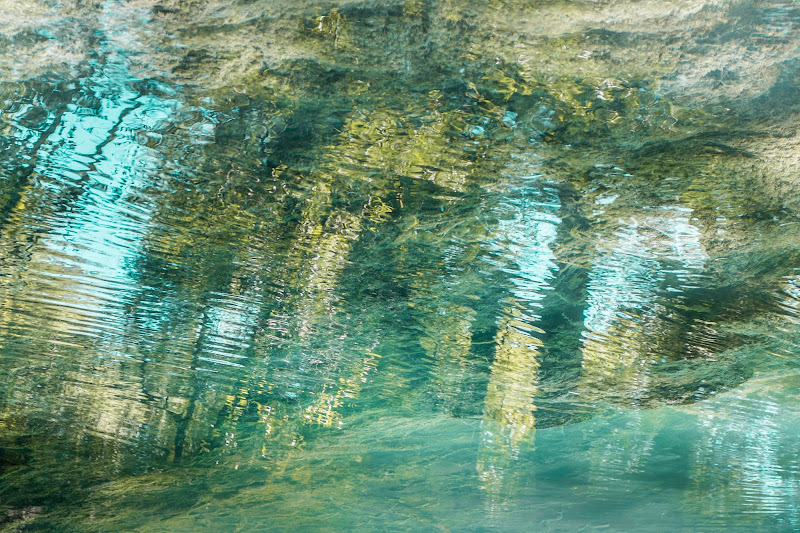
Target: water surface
{"x":413,"y":267}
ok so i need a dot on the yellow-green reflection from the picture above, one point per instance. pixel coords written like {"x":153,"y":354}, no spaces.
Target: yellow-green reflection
{"x":524,"y":237}
{"x":508,"y":417}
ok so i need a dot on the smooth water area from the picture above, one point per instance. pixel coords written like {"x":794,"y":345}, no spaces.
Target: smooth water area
{"x":405,"y":266}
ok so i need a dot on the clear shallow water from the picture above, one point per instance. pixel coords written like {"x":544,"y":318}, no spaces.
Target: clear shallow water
{"x":445,"y":295}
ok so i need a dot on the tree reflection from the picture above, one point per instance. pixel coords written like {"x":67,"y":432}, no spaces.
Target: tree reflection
{"x":522,"y":244}
{"x":401,"y":209}
{"x":624,"y":318}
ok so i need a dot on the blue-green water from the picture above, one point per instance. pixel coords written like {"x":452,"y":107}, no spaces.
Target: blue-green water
{"x":416,"y":266}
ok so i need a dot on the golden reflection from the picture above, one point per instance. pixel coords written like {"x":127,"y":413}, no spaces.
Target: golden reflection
{"x":371,"y":149}
{"x":508,"y":416}
{"x":325,"y":249}
{"x":448,"y":341}
{"x":312,"y":269}
{"x":614,"y":360}
{"x":324,"y":411}
{"x":415,"y":143}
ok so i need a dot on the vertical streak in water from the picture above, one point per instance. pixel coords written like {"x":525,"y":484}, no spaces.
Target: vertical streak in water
{"x":522,"y":247}
{"x":31,"y":140}
{"x":623,"y":321}
{"x":297,"y":334}
{"x":447,"y":328}
{"x":742,"y":470}
{"x":89,"y":172}
{"x":623,"y":314}
{"x":95,"y":149}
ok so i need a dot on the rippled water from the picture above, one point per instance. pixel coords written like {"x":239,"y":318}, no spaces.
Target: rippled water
{"x":414,"y":267}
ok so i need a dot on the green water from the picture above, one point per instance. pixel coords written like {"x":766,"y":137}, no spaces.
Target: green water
{"x":404,"y":266}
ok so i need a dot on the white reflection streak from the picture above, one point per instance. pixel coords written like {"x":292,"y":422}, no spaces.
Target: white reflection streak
{"x":736,"y":462}
{"x":94,"y":152}
{"x":621,"y":304}
{"x":526,"y":232}
{"x":101,"y":145}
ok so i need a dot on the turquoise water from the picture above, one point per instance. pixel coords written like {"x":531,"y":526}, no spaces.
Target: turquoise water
{"x":417,"y":266}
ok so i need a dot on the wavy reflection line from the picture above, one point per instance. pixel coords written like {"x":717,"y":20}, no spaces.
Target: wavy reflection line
{"x":623,"y":315}
{"x":740,"y":469}
{"x":522,"y":244}
{"x":91,"y":153}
